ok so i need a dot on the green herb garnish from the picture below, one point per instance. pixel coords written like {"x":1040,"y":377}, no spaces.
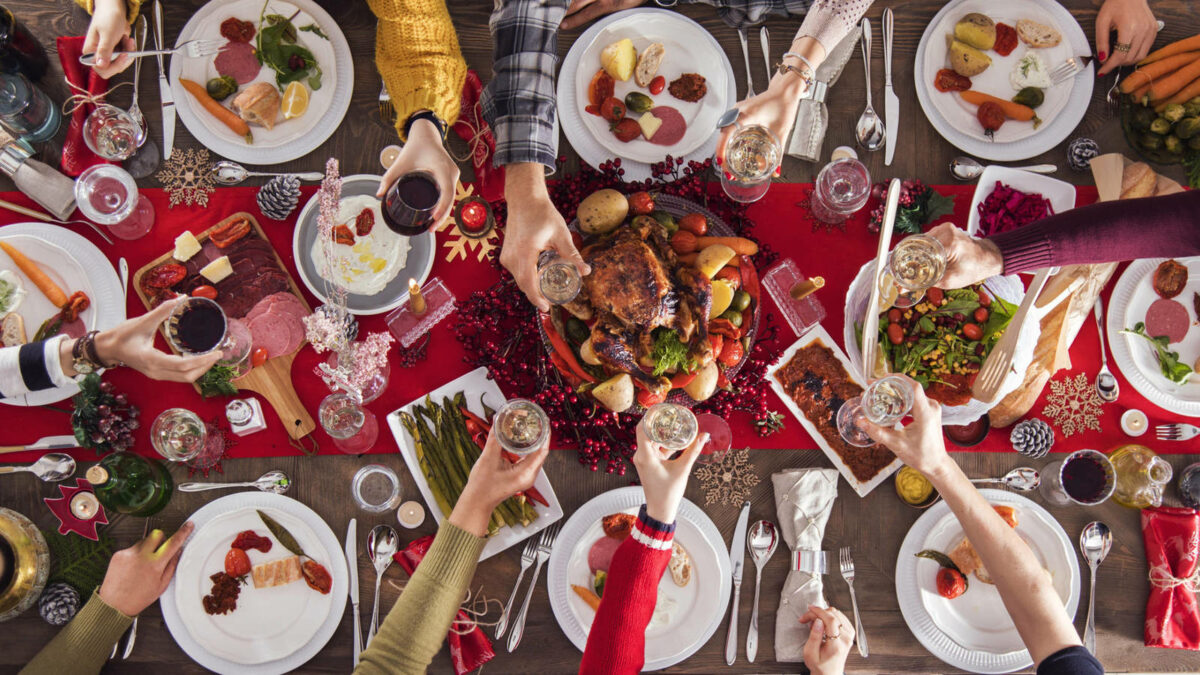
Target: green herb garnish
{"x":218,"y":381}
{"x":314,"y":29}
{"x":1168,"y":361}
{"x":281,"y":533}
{"x":1191,"y":163}
{"x":669,"y":354}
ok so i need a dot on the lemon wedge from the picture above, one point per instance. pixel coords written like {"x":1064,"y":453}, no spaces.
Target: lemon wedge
{"x":295,"y":101}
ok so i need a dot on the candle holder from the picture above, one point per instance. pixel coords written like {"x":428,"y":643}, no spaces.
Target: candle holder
{"x":474,"y":217}
{"x":803,"y":314}
{"x":78,"y":510}
{"x":408,"y":323}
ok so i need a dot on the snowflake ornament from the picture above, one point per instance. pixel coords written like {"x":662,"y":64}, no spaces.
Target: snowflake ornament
{"x":460,"y":245}
{"x":188,"y":177}
{"x":1073,"y":405}
{"x":729,"y":481}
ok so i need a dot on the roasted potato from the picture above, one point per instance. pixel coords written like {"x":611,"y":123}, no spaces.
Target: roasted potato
{"x":616,"y":393}
{"x":967,"y":60}
{"x":704,"y":385}
{"x":602,"y":211}
{"x":619,"y":59}
{"x":977,"y":30}
{"x":588,"y":353}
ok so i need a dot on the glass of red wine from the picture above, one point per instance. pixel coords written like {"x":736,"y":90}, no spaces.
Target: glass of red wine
{"x":198,"y":326}
{"x":1084,"y":477}
{"x":408,"y":204}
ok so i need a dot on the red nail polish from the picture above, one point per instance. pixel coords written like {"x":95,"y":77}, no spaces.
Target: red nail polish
{"x":719,"y":161}
{"x":728,"y":176}
{"x":1103,"y":57}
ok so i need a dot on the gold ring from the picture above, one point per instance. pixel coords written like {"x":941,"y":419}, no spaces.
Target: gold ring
{"x":1122,"y":47}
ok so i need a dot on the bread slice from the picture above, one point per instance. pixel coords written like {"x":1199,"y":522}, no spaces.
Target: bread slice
{"x":1038,"y":35}
{"x":258,"y":104}
{"x":647,"y":64}
{"x":680,"y":565}
{"x":1138,"y":180}
{"x":14,"y":330}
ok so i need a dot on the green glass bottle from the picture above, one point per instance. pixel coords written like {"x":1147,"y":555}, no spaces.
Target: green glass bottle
{"x":131,"y":484}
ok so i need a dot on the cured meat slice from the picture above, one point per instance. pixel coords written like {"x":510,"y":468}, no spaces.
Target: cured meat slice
{"x":1167,"y":317}
{"x":601,"y":554}
{"x":270,"y":332}
{"x":237,"y":60}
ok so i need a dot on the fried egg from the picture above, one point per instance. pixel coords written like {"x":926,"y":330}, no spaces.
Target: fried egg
{"x":372,"y":262}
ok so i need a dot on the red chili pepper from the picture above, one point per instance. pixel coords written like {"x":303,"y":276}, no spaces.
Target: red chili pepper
{"x":649,"y":398}
{"x":717,"y":341}
{"x":564,"y":351}
{"x":722,"y":379}
{"x":536,"y":496}
{"x":472,"y":417}
{"x":682,"y":380}
{"x":749,"y":278}
{"x":725,"y":327}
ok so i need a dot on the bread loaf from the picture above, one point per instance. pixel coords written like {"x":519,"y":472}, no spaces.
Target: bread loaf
{"x":1138,"y":180}
{"x":1037,"y":35}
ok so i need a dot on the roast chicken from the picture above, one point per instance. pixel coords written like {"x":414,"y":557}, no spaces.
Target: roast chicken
{"x":638,"y":285}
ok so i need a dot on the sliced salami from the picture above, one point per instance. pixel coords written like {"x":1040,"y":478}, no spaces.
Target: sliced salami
{"x":270,"y":332}
{"x":1167,"y":317}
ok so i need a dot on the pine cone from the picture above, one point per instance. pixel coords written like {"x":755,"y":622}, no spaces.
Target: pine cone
{"x":349,"y":323}
{"x":58,"y":604}
{"x":279,"y":197}
{"x":1080,"y":153}
{"x":1032,"y":438}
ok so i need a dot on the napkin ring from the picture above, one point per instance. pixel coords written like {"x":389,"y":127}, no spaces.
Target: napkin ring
{"x":810,"y":562}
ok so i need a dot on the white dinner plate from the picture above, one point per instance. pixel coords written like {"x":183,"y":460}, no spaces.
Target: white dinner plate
{"x":974,"y":631}
{"x":290,"y":139}
{"x":699,"y":607}
{"x":421,"y":252}
{"x":818,"y":334}
{"x":1060,"y":194}
{"x":273,"y":630}
{"x":1064,"y":106}
{"x":689,"y":49}
{"x":1134,"y":356}
{"x":75,"y":264}
{"x":478,"y":389}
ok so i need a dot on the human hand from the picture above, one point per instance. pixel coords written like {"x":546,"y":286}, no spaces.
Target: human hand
{"x":664,"y":480}
{"x":425,"y":151}
{"x":969,"y":260}
{"x":580,"y":12}
{"x":137,"y":575}
{"x":1136,"y":27}
{"x":108,"y":29}
{"x":829,"y":640}
{"x":132,"y":342}
{"x":494,"y":479}
{"x":920,"y":444}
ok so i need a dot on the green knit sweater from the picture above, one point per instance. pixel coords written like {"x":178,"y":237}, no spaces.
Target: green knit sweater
{"x":411,"y":635}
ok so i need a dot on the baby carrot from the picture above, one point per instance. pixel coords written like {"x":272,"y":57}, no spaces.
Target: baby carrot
{"x":740,"y":245}
{"x":223,"y":114}
{"x":588,"y":596}
{"x":48,"y":288}
{"x":1150,"y":73}
{"x":1177,"y":47}
{"x":1012,"y":110}
{"x":1167,"y":86}
{"x":1184,"y":95}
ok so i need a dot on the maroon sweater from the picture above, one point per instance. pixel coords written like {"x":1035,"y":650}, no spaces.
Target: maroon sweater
{"x":1154,"y":227}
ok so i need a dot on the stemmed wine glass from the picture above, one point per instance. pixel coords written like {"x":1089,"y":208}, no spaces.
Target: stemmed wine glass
{"x":352,"y":427}
{"x":752,"y":155}
{"x":111,"y":133}
{"x":522,"y":426}
{"x":199,"y":326}
{"x":884,"y":402}
{"x":914,"y":266}
{"x":558,"y":278}
{"x":178,"y":434}
{"x":106,"y":194}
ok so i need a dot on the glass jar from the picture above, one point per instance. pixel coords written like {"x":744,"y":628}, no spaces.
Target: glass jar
{"x":1141,"y":476}
{"x":1189,"y":486}
{"x":24,"y":563}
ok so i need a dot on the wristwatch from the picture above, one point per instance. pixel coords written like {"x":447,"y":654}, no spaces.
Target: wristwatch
{"x":83,"y":355}
{"x":425,"y":115}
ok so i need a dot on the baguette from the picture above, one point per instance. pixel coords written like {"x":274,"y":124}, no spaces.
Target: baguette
{"x":14,"y":330}
{"x":1138,"y":180}
{"x":1037,"y":35}
{"x":647,"y":64}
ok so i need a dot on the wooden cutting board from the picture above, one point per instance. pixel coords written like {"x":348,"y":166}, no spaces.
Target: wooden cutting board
{"x":273,"y":379}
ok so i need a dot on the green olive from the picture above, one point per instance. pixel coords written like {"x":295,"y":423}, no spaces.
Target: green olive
{"x":734,"y":317}
{"x":741,"y":300}
{"x":638,"y":102}
{"x":1030,"y":96}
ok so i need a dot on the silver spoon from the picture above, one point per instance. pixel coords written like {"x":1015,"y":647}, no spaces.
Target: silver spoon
{"x":382,"y":543}
{"x":1094,"y":543}
{"x":966,"y":168}
{"x":275,"y":482}
{"x":1106,"y":383}
{"x":761,"y":544}
{"x":1022,"y":479}
{"x":51,"y":468}
{"x":728,"y":117}
{"x":869,"y":130}
{"x":135,"y":110}
{"x":232,"y":173}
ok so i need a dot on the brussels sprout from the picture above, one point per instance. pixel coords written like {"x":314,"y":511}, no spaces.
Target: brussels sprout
{"x":1161,"y":125}
{"x":638,"y":102}
{"x":1194,"y":142}
{"x":1150,"y":141}
{"x":1191,"y":109}
{"x":1030,"y":96}
{"x":1173,"y":145}
{"x":221,"y":88}
{"x":1142,"y":117}
{"x":666,"y":220}
{"x":1173,"y":113}
{"x":1195,"y":100}
{"x":1188,"y":127}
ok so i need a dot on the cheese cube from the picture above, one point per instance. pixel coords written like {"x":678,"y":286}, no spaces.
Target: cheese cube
{"x":217,"y":270}
{"x":186,"y":246}
{"x":649,"y":124}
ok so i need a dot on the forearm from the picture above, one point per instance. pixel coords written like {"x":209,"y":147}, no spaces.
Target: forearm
{"x":829,"y":21}
{"x":1106,"y":232}
{"x":84,"y":644}
{"x":1025,"y":587}
{"x":524,"y":181}
{"x":413,"y":632}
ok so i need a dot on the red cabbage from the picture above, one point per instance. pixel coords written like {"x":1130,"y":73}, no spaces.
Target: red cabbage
{"x":1008,"y":208}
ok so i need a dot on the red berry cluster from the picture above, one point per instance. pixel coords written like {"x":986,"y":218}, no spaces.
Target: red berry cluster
{"x":407,"y":358}
{"x":912,"y":193}
{"x":102,"y":419}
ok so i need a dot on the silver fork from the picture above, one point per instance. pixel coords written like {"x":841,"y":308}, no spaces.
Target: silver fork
{"x":746,"y":57}
{"x":388,"y":112}
{"x":527,"y":558}
{"x":192,"y":49}
{"x":1176,"y":432}
{"x":1113,"y":97}
{"x":130,"y":636}
{"x":847,"y":564}
{"x":135,"y":110}
{"x":1069,"y":68}
{"x":545,"y":544}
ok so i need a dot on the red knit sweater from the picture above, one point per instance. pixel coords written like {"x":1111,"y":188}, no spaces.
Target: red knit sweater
{"x":617,"y":642}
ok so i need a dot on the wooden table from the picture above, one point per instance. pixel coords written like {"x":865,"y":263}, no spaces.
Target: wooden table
{"x":872,"y":527}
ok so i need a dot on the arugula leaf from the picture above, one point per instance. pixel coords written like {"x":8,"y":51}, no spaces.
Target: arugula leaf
{"x":314,"y":29}
{"x":669,"y":353}
{"x":276,"y":48}
{"x":1168,"y":361}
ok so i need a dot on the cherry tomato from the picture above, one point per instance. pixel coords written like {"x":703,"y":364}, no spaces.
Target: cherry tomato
{"x":647,"y":399}
{"x":626,"y":130}
{"x":613,"y":109}
{"x":258,"y":356}
{"x":237,"y":562}
{"x":984,"y":298}
{"x":695,"y":223}
{"x":950,"y":583}
{"x":972,"y":331}
{"x":981,"y":315}
{"x":894,"y":314}
{"x":657,"y":85}
{"x":732,"y":353}
{"x":641,"y":203}
{"x":204,"y":291}
{"x":935,"y":295}
{"x":731,"y":276}
{"x":895,"y":333}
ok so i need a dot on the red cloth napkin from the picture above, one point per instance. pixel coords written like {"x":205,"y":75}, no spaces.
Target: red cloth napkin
{"x":76,"y":155}
{"x":472,"y":128}
{"x":468,"y":652}
{"x":1172,"y":539}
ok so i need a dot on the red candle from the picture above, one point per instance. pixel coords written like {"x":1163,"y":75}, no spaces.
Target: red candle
{"x":474,"y":217}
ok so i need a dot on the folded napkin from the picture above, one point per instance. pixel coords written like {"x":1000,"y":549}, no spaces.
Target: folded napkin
{"x":803,"y":499}
{"x":1172,"y":539}
{"x":472,"y":128}
{"x":43,"y":184}
{"x":76,"y":155}
{"x":812,"y":118}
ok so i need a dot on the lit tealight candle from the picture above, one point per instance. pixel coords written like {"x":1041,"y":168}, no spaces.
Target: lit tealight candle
{"x":1134,"y":422}
{"x":388,"y":156}
{"x":84,"y":505}
{"x":416,"y":301}
{"x":410,"y":514}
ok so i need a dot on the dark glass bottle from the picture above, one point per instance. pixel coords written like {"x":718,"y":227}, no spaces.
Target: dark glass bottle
{"x":131,"y":484}
{"x":20,"y":51}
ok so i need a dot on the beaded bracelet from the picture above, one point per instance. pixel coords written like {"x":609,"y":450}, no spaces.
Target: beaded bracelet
{"x":807,"y":76}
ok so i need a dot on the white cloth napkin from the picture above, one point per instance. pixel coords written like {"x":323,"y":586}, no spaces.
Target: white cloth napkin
{"x":803,"y":500}
{"x":47,"y":186}
{"x":812,"y":118}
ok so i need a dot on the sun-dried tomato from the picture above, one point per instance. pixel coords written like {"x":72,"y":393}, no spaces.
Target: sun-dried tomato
{"x":948,"y":80}
{"x":249,"y":539}
{"x":316,"y":576}
{"x":364,"y":222}
{"x":223,"y":236}
{"x":75,"y":306}
{"x":725,"y":327}
{"x":236,"y":30}
{"x":1006,"y":39}
{"x":164,"y":276}
{"x":342,"y":234}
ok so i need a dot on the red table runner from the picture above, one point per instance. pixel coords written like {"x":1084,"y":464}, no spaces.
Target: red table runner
{"x":781,"y":224}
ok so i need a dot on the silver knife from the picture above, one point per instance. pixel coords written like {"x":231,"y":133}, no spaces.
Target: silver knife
{"x":891,"y":102}
{"x":164,"y":87}
{"x":47,"y":443}
{"x":352,"y":566}
{"x":123,"y":271}
{"x":764,"y":39}
{"x":737,"y":561}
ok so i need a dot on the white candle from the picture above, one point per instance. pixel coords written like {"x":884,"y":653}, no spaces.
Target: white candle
{"x":84,"y":505}
{"x":410,"y":514}
{"x":1134,"y":422}
{"x":416,"y":301}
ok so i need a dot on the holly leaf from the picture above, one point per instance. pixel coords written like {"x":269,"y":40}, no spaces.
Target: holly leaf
{"x":937,"y":205}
